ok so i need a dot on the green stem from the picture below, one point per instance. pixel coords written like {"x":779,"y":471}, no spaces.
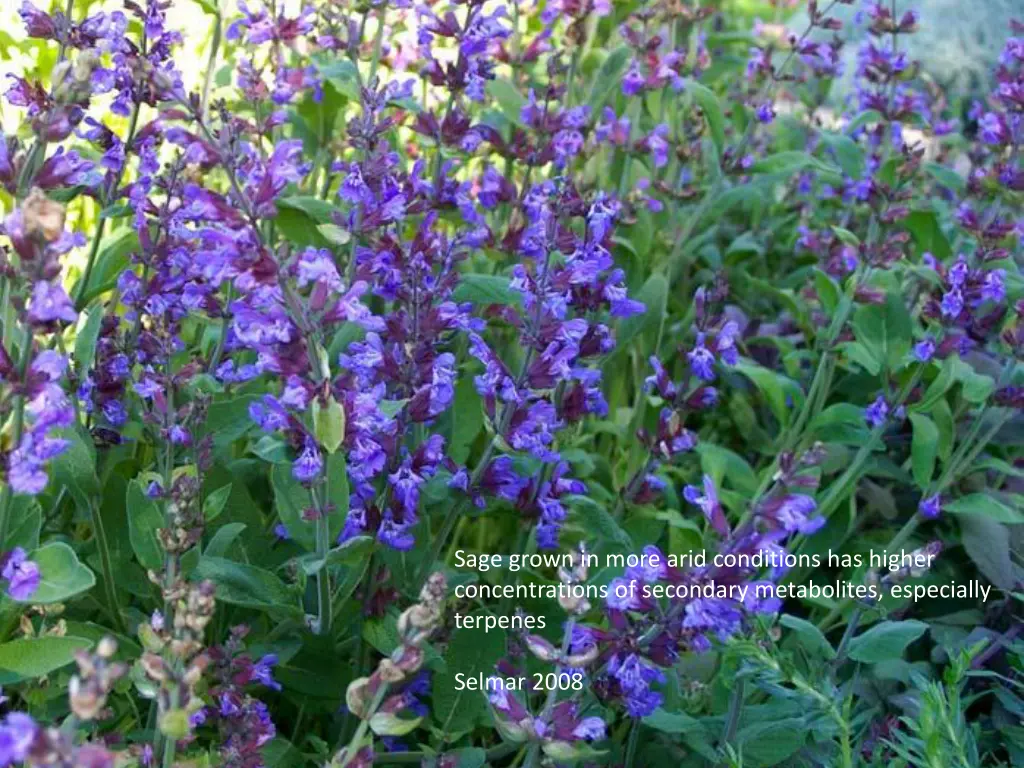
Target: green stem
{"x":732,"y":720}
{"x":19,"y":426}
{"x":634,"y":738}
{"x":106,"y":564}
{"x":324,"y":607}
{"x":378,"y":42}
{"x":352,"y":749}
{"x":212,"y":61}
{"x":94,"y":247}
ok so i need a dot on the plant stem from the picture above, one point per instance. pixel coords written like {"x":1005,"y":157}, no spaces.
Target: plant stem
{"x":634,"y":738}
{"x":732,"y":720}
{"x":324,"y":608}
{"x":94,"y":247}
{"x":212,"y":61}
{"x":19,"y":426}
{"x":351,"y":750}
{"x":99,"y":531}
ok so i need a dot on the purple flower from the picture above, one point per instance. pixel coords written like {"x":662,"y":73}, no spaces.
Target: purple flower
{"x":50,"y":303}
{"x":308,"y":466}
{"x":16,"y":736}
{"x":634,"y":81}
{"x":924,"y":349}
{"x":709,"y":504}
{"x":634,"y":676}
{"x":262,"y":671}
{"x":702,"y":361}
{"x":22,"y":575}
{"x":765,"y":113}
{"x":876,"y":413}
{"x":930,"y":507}
{"x":589,"y":729}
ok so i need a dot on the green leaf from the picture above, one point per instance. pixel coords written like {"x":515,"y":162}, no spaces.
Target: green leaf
{"x":228,"y":420}
{"x":241,"y":584}
{"x":273,"y":450}
{"x":75,"y":467}
{"x":927,"y":233}
{"x":597,"y":521}
{"x":223,"y":539}
{"x":214,"y":504}
{"x":608,"y":78}
{"x":772,"y":742}
{"x":722,"y":463}
{"x":351,"y":552}
{"x":673,"y":722}
{"x":938,"y":387}
{"x":468,"y":757}
{"x":467,"y":421}
{"x":654,"y":296}
{"x":111,"y":261}
{"x":775,"y":387}
{"x":144,"y":521}
{"x":985,"y":505}
{"x":290,"y":499}
{"x":337,"y":493}
{"x":847,"y":152}
{"x":209,"y":6}
{"x":859,"y":353}
{"x":86,"y":337}
{"x":811,"y":638}
{"x":976,"y":387}
{"x":840,"y":423}
{"x":26,"y":522}
{"x":989,"y":545}
{"x":471,"y":652}
{"x":789,"y":162}
{"x":846,"y":236}
{"x":509,"y":99}
{"x":62,"y":575}
{"x":712,"y":109}
{"x":32,"y":657}
{"x":887,"y":640}
{"x":885,"y":330}
{"x":485,"y":289}
{"x":827,"y":290}
{"x":299,"y":216}
{"x":947,"y":177}
{"x":924,"y":448}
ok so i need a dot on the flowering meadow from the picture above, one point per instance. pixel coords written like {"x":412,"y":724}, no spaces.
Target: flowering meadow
{"x":310,"y":312}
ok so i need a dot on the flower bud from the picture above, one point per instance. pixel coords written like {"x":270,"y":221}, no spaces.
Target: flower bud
{"x":583,"y":659}
{"x":107,"y":647}
{"x":541,"y":648}
{"x":329,"y":423}
{"x":174,"y":724}
{"x":389,"y":724}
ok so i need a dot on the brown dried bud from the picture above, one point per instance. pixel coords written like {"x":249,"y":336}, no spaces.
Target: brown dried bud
{"x":154,"y":666}
{"x":435,"y":589}
{"x":86,"y":698}
{"x":357,"y":696}
{"x":542,"y":648}
{"x":582,"y":659}
{"x":42,"y":216}
{"x":390,"y":672}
